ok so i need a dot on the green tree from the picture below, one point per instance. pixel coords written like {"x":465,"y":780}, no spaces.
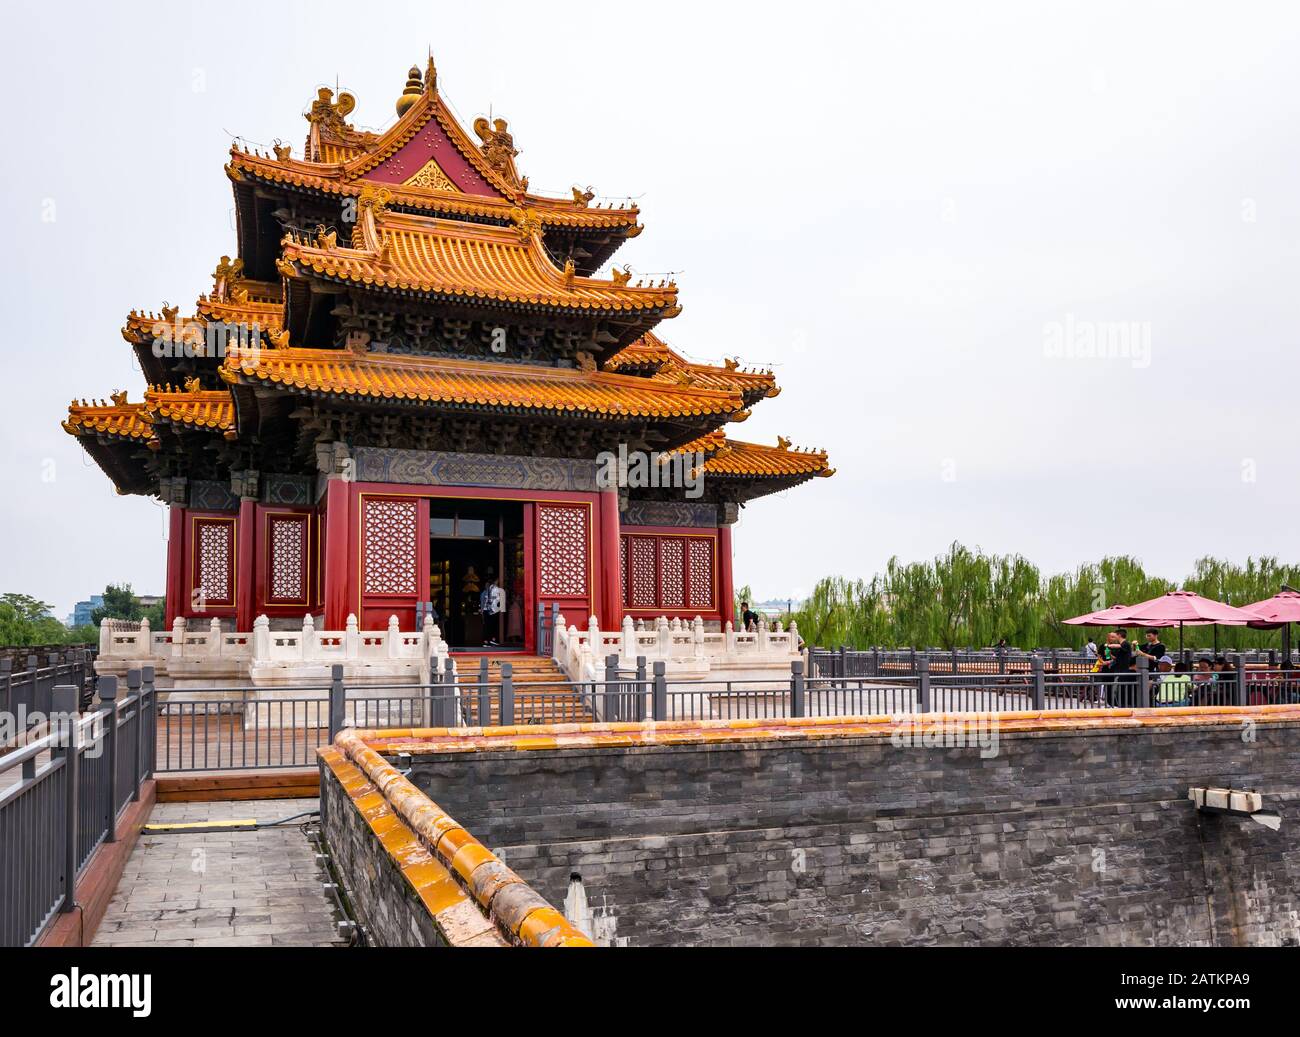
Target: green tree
{"x":120,"y":602}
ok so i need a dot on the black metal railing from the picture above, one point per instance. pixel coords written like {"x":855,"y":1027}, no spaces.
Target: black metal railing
{"x":61,"y":795}
{"x":27,"y":683}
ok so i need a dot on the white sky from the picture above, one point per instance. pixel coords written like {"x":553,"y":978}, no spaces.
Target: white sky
{"x":886,"y":202}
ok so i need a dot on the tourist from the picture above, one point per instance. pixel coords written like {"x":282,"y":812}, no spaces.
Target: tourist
{"x":1120,"y":667}
{"x":1173,"y":689}
{"x":1203,"y":681}
{"x":1090,"y":649}
{"x":1154,"y":649}
{"x":748,"y":619}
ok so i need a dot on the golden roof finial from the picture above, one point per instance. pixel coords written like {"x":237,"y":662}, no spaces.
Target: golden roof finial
{"x":413,"y":92}
{"x":430,"y":74}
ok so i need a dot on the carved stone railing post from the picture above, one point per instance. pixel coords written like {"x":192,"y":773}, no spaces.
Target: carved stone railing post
{"x":665,"y":637}
{"x":697,"y":636}
{"x":214,"y":638}
{"x":762,"y":634}
{"x":309,"y":642}
{"x":178,"y":638}
{"x":394,"y":638}
{"x":351,"y":639}
{"x":261,"y":640}
{"x":730,"y":631}
{"x":145,"y":644}
{"x":629,"y":639}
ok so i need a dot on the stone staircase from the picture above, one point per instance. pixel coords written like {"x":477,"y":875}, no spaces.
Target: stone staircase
{"x":543,"y":694}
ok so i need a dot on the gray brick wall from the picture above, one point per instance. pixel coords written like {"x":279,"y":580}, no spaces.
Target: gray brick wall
{"x":1082,"y":837}
{"x":380,"y":895}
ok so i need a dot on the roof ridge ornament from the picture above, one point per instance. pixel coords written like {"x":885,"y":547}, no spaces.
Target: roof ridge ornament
{"x":413,"y":92}
{"x":527,"y":222}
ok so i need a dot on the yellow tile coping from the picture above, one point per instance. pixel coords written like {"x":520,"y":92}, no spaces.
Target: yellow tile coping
{"x":446,"y":866}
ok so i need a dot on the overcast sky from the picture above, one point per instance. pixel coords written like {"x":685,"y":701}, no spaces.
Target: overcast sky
{"x":917,"y":213}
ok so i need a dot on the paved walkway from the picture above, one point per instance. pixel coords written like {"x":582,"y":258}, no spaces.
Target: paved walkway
{"x":229,"y":889}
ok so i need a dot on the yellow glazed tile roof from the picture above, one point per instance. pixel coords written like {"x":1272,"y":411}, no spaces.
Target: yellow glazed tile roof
{"x":468,"y":261}
{"x":346,"y":157}
{"x":732,"y":457}
{"x":192,"y":407}
{"x":476,"y":384}
{"x":198,"y":408}
{"x":119,"y":419}
{"x":651,"y":352}
{"x":330,"y":180}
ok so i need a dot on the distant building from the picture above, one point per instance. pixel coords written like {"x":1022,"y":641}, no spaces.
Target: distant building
{"x":81,"y":612}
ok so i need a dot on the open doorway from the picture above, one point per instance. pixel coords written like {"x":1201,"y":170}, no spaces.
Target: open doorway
{"x":476,"y":573}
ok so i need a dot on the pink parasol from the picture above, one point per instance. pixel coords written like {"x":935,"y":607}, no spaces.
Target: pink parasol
{"x":1281,"y":610}
{"x":1100,"y":618}
{"x":1277,"y":611}
{"x":1183,"y":608}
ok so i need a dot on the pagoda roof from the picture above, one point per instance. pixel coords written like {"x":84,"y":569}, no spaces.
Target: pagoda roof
{"x":426,"y":158}
{"x":465,"y":261}
{"x":551,"y":212}
{"x":734,"y":458}
{"x":478,"y":384}
{"x":191,"y":407}
{"x":651,"y":355}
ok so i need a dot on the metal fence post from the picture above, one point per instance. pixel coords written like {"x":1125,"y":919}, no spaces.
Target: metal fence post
{"x":65,"y":701}
{"x":484,"y":696}
{"x":541,"y":629}
{"x":798,"y":703}
{"x":844,"y":662}
{"x":911,"y":671}
{"x":659,"y":704}
{"x":641,"y":687}
{"x":108,"y":697}
{"x":31,"y":688}
{"x":338,"y":701}
{"x":149,"y":710}
{"x":922,"y":666}
{"x":875,"y":662}
{"x":1144,"y":682}
{"x":612,"y":711}
{"x":1002,"y":660}
{"x":1239,"y":664}
{"x":133,"y":684}
{"x":507,"y":695}
{"x":1040,"y":681}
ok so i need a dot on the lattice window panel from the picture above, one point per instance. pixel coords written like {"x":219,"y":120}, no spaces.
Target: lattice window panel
{"x":644,"y":589}
{"x":701,"y":560}
{"x":215,"y":548}
{"x":562,"y":551}
{"x":622,"y":567}
{"x":287,"y":578}
{"x":390,"y":560}
{"x":672,"y":566}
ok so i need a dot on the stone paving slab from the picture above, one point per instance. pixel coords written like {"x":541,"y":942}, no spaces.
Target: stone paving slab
{"x":226,"y":889}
